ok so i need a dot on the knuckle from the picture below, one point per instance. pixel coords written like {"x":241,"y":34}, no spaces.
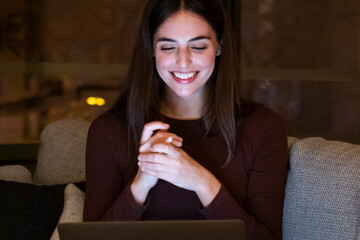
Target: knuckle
{"x":165,"y":134}
{"x":166,"y":147}
{"x":152,"y":157}
{"x":160,"y":134}
{"x":173,"y":135}
{"x":147,"y":125}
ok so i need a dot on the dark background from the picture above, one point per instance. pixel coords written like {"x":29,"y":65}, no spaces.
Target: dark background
{"x":299,"y":57}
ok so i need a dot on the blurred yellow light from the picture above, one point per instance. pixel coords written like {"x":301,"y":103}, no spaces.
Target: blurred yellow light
{"x":91,"y":100}
{"x":95,"y":101}
{"x":100,"y":101}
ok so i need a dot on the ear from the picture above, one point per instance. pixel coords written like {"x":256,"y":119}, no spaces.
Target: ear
{"x":218,"y":50}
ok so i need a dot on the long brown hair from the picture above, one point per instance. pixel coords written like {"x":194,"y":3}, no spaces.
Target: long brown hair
{"x":141,"y":92}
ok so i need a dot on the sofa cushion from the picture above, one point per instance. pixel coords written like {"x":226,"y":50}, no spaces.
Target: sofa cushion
{"x":323,"y":191}
{"x":28,"y":211}
{"x":61,"y":157}
{"x":291,"y":141}
{"x":15,"y":173}
{"x":73,"y":207}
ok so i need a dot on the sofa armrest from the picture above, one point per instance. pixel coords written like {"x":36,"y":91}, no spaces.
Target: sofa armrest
{"x":15,"y":173}
{"x":73,"y":207}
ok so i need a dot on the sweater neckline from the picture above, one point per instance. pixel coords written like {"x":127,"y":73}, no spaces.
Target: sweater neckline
{"x":181,"y":122}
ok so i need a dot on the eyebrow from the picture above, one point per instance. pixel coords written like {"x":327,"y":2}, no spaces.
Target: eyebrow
{"x":191,"y":40}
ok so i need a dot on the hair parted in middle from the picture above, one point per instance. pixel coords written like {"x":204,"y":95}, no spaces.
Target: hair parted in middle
{"x":143,"y":88}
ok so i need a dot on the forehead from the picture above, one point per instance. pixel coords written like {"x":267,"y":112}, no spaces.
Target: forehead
{"x":184,"y":24}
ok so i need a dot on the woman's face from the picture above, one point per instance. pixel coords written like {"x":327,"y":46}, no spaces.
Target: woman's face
{"x":185,"y":49}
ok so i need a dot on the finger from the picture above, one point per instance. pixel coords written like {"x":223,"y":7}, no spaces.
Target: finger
{"x":175,"y":142}
{"x":146,"y":147}
{"x":161,"y":137}
{"x":150,"y":166}
{"x":167,"y":136}
{"x":157,"y":158}
{"x":157,"y":174}
{"x":164,"y":175}
{"x":154,"y":168}
{"x":166,"y":148}
{"x":149,"y":129}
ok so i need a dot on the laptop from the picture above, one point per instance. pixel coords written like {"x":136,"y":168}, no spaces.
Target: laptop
{"x":154,"y":230}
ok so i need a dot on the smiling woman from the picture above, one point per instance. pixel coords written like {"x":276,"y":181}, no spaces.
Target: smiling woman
{"x":180,"y":143}
{"x":185,"y":50}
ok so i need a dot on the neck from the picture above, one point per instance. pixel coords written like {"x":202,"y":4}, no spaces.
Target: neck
{"x":181,"y":108}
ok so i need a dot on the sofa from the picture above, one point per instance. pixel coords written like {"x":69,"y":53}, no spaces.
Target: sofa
{"x":322,"y":199}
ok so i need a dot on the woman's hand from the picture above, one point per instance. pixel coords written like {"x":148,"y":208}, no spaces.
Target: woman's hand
{"x":170,"y":163}
{"x":143,"y":182}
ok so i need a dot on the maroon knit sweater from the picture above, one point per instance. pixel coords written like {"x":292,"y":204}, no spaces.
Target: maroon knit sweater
{"x":253,"y":183}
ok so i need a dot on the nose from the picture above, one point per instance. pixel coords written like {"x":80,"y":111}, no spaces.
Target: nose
{"x":184,"y":57}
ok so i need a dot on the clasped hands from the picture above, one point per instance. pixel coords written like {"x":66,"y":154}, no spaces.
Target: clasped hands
{"x":161,"y":157}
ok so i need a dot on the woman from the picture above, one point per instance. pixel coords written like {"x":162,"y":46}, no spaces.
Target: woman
{"x":180,"y":143}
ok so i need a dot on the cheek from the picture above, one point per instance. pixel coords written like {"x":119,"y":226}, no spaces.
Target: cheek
{"x":163,"y":66}
{"x":162,"y":63}
{"x":207,"y":60}
{"x":159,"y":68}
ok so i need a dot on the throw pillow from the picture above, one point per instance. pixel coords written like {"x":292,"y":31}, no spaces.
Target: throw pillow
{"x":28,"y":211}
{"x":291,"y":141}
{"x":323,"y":191}
{"x":62,"y":153}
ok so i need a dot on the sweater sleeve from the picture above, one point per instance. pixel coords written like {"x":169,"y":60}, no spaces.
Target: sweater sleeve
{"x":262,"y":210}
{"x":108,"y":196}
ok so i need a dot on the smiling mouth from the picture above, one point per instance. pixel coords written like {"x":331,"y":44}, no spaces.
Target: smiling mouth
{"x":184,"y":78}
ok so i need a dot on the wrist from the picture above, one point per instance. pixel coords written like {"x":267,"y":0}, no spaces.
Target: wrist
{"x":208,"y":189}
{"x":139,"y":191}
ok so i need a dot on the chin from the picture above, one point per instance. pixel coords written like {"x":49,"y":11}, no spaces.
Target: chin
{"x":184,"y":95}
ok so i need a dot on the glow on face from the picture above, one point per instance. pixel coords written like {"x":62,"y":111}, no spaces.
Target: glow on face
{"x":185,"y":50}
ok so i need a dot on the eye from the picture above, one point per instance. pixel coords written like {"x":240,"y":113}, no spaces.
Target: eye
{"x":167,"y":49}
{"x":199,"y":49}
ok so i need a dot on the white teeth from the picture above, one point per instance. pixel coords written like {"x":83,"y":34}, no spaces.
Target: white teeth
{"x":184,"y":75}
